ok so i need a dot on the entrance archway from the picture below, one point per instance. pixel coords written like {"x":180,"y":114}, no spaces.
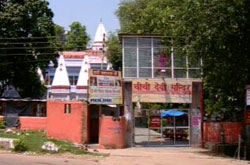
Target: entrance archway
{"x":194,"y":117}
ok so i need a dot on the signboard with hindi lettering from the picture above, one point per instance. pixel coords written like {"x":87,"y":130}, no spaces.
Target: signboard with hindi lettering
{"x":155,"y":122}
{"x":105,"y":87}
{"x":162,"y":91}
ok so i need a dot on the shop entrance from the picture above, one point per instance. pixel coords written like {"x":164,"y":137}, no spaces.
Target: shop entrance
{"x":168,"y":127}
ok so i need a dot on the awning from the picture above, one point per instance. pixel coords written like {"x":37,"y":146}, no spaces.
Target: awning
{"x":172,"y":113}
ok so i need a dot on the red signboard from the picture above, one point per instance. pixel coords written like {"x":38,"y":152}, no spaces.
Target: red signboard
{"x":155,"y":122}
{"x":106,"y":73}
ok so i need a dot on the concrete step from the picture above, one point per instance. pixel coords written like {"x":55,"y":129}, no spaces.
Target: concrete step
{"x":7,"y":143}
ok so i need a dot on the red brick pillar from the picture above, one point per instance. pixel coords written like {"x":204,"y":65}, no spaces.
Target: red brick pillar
{"x":112,"y":132}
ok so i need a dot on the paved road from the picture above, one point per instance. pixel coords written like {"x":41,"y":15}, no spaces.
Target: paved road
{"x":131,"y":156}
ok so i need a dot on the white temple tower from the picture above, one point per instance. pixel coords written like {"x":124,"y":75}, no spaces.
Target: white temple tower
{"x":60,"y":88}
{"x":100,"y":36}
{"x":82,"y":83}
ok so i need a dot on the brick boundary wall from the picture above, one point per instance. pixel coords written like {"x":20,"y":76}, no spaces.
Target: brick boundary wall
{"x":67,"y":126}
{"x":59,"y":125}
{"x":32,"y":123}
{"x":112,"y":132}
{"x":213,"y":130}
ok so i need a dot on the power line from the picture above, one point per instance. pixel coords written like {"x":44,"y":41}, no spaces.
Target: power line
{"x":29,"y":48}
{"x":21,"y":38}
{"x":7,"y":63}
{"x":45,"y":47}
{"x":33,"y":42}
{"x":30,"y":38}
{"x":36,"y":54}
{"x":22,"y":43}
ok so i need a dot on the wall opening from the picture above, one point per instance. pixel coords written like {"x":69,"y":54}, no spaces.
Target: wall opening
{"x":94,"y":111}
{"x":67,"y":108}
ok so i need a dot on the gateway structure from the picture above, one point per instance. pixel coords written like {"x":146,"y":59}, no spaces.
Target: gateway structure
{"x":156,"y":71}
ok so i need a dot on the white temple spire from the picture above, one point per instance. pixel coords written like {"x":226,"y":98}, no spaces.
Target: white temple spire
{"x":84,"y":73}
{"x":100,"y":36}
{"x":61,"y":75}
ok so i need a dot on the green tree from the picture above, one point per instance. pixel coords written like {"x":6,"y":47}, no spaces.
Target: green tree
{"x":218,"y":32}
{"x":114,"y":51}
{"x":26,"y":36}
{"x":77,"y":37}
{"x":60,"y":35}
{"x":148,"y":16}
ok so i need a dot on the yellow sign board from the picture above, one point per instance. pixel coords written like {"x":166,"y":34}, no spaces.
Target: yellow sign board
{"x":105,"y":87}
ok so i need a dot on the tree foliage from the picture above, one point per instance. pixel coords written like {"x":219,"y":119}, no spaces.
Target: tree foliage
{"x":77,"y":38}
{"x":148,"y":16}
{"x":114,"y":52}
{"x":26,"y":30}
{"x":60,"y":37}
{"x":216,"y":31}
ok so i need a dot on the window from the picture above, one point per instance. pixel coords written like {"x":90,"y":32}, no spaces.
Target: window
{"x":49,"y":79}
{"x":73,"y":80}
{"x":155,"y":57}
{"x":67,"y":108}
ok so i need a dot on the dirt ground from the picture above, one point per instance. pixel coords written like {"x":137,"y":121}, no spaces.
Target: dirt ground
{"x":130,"y":156}
{"x":167,"y":156}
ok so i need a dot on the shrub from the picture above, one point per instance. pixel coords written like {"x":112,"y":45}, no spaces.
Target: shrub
{"x":20,"y":146}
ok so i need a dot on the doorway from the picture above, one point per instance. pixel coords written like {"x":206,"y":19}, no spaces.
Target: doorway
{"x":94,"y":111}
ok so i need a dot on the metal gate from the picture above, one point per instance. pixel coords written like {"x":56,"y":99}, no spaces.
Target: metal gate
{"x":154,"y":129}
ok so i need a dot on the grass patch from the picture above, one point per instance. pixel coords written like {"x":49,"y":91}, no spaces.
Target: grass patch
{"x":7,"y":135}
{"x":35,"y":139}
{"x":68,"y":147}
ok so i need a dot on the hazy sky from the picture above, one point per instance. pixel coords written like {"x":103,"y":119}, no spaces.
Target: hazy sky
{"x":87,"y":12}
